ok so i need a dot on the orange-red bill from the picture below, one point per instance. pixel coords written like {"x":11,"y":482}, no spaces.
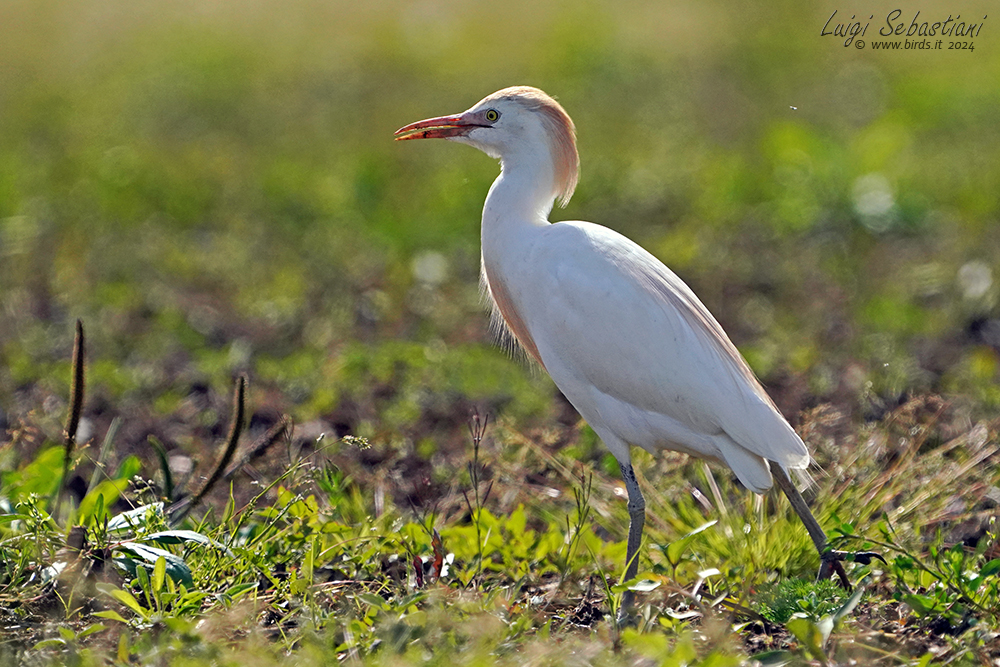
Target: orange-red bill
{"x":436,"y":128}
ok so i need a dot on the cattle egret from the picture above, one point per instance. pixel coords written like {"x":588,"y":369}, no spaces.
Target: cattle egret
{"x":625,"y":340}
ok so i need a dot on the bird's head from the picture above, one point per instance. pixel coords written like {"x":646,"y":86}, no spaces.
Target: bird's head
{"x":518,"y":124}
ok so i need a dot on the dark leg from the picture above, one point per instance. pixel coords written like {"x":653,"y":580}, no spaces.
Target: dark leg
{"x":800,"y":507}
{"x":830,"y":561}
{"x":637,"y":519}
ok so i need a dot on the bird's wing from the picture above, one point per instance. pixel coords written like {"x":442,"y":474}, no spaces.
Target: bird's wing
{"x":604,"y":310}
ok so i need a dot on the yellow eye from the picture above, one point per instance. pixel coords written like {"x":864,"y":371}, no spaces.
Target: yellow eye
{"x":492,"y":115}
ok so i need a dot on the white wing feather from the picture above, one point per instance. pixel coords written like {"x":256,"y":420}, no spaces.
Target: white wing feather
{"x":640,"y":356}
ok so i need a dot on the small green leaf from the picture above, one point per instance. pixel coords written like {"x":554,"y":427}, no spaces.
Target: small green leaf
{"x":649,"y":644}
{"x":645,"y":585}
{"x":298,"y":586}
{"x":825,"y":626}
{"x":91,"y":629}
{"x":128,"y":600}
{"x":774,"y":658}
{"x":128,"y":520}
{"x":126,"y":563}
{"x":851,"y":603}
{"x":49,"y":643}
{"x":676,"y":549}
{"x":159,"y":574}
{"x":128,"y":468}
{"x":181,"y":536}
{"x":99,"y":513}
{"x":176,"y":567}
{"x":104,"y":495}
{"x":309,"y":563}
{"x":142,"y":575}
{"x":808,"y":634}
{"x":921,"y":604}
{"x":373,"y":600}
{"x":990,"y":568}
{"x":110,"y":615}
{"x":412,"y":599}
{"x":235,"y":592}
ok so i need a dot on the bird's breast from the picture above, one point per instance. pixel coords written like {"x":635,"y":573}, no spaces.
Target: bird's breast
{"x":505,"y":306}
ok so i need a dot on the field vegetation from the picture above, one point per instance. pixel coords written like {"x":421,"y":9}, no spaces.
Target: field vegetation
{"x":251,"y":412}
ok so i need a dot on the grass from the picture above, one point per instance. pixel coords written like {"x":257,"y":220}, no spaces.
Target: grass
{"x":308,"y":569}
{"x":216,"y":195}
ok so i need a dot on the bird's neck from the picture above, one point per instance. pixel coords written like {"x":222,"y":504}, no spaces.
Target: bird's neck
{"x":522,"y":195}
{"x":516,"y":209}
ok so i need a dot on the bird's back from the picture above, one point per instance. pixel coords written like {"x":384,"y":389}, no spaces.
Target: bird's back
{"x":639,"y":355}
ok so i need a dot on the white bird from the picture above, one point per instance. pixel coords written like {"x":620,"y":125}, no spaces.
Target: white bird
{"x":625,"y":340}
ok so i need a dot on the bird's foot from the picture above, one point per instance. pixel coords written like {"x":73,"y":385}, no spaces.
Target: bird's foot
{"x":626,"y":618}
{"x":831,"y":562}
{"x":863,"y":557}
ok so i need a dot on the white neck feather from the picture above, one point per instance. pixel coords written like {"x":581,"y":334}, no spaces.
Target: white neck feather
{"x":516,"y":208}
{"x":523,"y":193}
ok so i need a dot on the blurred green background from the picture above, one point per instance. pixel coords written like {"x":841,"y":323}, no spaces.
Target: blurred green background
{"x":213,"y":188}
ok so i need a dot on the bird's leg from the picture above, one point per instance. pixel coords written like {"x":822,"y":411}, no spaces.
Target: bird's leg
{"x":830,"y":560}
{"x":800,"y":507}
{"x":636,"y":521}
{"x":826,"y":566}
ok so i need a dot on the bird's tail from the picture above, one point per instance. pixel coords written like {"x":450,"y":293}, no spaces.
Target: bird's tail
{"x":752,"y":470}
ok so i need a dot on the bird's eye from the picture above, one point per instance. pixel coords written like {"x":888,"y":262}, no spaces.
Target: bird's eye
{"x":492,"y":115}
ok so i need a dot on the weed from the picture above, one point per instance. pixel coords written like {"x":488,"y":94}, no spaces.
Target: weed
{"x":779,"y":601}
